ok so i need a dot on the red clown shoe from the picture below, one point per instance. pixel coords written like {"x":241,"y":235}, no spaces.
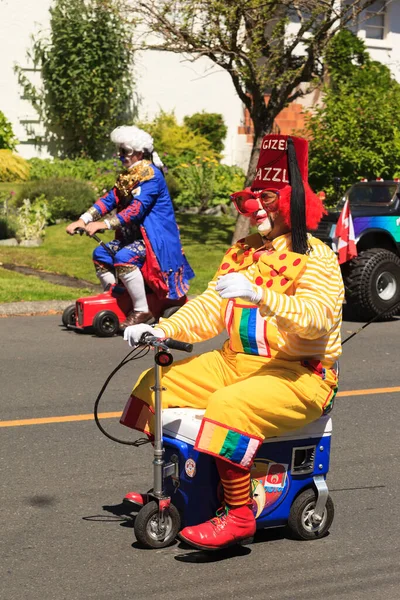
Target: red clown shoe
{"x":230,"y":526}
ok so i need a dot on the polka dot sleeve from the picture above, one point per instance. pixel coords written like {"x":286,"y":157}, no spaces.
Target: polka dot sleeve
{"x":313,"y":309}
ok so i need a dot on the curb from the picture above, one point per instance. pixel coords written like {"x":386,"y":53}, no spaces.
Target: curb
{"x":23,"y":309}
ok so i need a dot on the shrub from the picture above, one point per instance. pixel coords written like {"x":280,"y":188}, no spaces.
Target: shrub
{"x":102,"y":174}
{"x":67,"y":198}
{"x":176,"y":143}
{"x":32,"y":218}
{"x":174,"y":187}
{"x":207,"y":183}
{"x":86,"y":79}
{"x":8,"y":228}
{"x":7,"y":139}
{"x":13,"y":167}
{"x":209,"y":125}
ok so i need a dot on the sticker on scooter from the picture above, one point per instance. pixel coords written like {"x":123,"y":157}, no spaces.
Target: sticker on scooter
{"x":190,"y":467}
{"x":269,"y":485}
{"x":276,"y":477}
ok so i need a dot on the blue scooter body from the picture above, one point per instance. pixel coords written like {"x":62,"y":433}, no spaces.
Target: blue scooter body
{"x":283,"y":468}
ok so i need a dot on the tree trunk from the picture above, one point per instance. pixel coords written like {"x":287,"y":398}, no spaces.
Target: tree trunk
{"x":242,"y":227}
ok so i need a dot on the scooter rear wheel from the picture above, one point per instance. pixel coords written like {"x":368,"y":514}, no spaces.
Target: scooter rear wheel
{"x":150,"y":533}
{"x":300,"y":522}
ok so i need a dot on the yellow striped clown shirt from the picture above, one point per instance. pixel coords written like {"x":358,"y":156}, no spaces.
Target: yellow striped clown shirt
{"x":299,"y":316}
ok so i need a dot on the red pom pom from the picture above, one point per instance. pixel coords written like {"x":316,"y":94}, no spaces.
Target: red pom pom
{"x":314,"y":206}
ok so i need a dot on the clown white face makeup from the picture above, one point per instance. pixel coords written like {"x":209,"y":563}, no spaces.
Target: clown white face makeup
{"x":264,"y":219}
{"x":264,"y":222}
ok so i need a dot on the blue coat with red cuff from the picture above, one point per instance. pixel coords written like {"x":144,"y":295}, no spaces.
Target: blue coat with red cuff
{"x":142,"y":201}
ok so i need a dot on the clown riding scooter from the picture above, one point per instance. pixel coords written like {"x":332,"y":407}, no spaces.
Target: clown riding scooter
{"x":104,"y":312}
{"x":288,"y":478}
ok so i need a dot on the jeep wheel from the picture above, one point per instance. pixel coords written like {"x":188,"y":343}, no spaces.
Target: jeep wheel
{"x":372,"y":282}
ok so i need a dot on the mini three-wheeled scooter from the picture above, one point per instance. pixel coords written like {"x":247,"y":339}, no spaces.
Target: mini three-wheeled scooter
{"x":288,"y":476}
{"x":104,"y":312}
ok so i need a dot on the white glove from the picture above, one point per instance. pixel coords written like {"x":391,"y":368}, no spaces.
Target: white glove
{"x":236,"y":285}
{"x":133,"y":333}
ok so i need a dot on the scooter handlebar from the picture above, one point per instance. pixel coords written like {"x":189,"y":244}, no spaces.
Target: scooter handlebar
{"x":81,"y":231}
{"x":176,"y":345}
{"x":148,"y":338}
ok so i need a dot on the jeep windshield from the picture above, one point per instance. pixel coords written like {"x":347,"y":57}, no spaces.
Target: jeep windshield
{"x":372,"y":192}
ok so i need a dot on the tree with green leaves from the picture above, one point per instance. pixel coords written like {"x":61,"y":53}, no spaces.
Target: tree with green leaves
{"x":268,"y":47}
{"x":356,"y":131}
{"x":209,"y":125}
{"x":86,"y":76}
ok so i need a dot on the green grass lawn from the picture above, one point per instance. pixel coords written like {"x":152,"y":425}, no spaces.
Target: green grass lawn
{"x":15,"y":287}
{"x":205,"y":240}
{"x":6,"y":186}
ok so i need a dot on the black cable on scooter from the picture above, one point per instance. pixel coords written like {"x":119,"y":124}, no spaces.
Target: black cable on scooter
{"x":142,"y":352}
{"x":396,"y":306}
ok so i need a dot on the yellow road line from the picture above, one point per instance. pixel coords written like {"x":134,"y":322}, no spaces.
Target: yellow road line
{"x":66,"y":419}
{"x":114,"y":415}
{"x":370,"y":391}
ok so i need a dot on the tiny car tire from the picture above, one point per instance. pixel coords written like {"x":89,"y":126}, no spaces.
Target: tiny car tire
{"x":69,"y":316}
{"x":300,"y":524}
{"x":106,"y":323}
{"x":168,"y":312}
{"x":146,"y":524}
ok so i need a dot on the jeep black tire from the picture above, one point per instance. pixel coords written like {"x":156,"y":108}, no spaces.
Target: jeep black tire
{"x":372,"y":282}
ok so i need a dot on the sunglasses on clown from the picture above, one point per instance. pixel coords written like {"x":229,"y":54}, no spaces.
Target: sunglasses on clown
{"x":248,"y":202}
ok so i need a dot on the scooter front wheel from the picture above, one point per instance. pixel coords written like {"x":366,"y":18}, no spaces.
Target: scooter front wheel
{"x":151,"y":530}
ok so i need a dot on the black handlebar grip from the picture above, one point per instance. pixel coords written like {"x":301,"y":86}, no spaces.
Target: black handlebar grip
{"x":146,"y":337}
{"x":175,"y":345}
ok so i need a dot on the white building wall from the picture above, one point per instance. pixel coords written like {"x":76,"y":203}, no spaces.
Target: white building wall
{"x":18,"y":22}
{"x":163,"y":80}
{"x":387,"y":51}
{"x":169,"y":82}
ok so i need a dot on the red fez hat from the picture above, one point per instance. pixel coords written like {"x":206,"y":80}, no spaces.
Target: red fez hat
{"x":272,"y":167}
{"x":283,"y":167}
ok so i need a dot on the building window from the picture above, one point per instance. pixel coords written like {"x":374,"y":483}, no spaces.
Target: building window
{"x":375,"y":20}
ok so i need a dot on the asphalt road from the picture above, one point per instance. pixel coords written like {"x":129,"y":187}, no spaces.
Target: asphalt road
{"x":63,"y":535}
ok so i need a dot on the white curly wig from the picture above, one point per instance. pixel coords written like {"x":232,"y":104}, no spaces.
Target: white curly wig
{"x":132,"y":138}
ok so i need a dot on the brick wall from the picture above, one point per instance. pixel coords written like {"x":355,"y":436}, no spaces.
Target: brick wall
{"x":289,"y":120}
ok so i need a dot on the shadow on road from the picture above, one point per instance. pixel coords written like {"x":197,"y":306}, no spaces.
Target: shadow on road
{"x":122,"y":514}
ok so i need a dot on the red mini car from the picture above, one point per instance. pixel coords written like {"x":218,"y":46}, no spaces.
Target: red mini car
{"x":104,"y":313}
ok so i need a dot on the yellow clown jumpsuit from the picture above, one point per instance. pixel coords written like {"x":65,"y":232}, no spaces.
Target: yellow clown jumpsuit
{"x":275,"y":372}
